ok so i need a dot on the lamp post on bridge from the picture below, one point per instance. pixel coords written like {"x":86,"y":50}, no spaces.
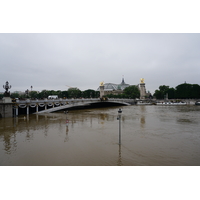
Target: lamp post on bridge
{"x":67,"y":120}
{"x":26,"y":92}
{"x":119,"y":118}
{"x":6,"y":87}
{"x":6,"y":95}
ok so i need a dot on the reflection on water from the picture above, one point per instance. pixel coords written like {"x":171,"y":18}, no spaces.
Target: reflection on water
{"x":151,"y":135}
{"x":142,"y":117}
{"x":120,"y":157}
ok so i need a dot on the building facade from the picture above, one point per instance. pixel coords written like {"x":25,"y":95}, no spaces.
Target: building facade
{"x":112,"y":88}
{"x":115,"y":89}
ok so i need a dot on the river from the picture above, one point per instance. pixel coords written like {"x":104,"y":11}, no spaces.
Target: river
{"x":150,"y":136}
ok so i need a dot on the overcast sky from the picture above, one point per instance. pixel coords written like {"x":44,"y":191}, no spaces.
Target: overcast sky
{"x":52,"y":61}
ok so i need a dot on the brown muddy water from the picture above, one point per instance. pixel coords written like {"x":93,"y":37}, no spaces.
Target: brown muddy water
{"x":151,"y":136}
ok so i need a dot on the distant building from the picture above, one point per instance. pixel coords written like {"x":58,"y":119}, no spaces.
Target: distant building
{"x":18,"y":92}
{"x":115,"y":89}
{"x":112,"y":88}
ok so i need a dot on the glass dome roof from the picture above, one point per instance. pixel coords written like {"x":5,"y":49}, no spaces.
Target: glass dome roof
{"x":113,"y":86}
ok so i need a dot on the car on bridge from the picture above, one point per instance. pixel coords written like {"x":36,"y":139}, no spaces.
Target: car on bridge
{"x":53,"y":97}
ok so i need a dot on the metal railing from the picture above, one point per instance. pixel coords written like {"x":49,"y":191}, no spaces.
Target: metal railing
{"x":66,"y":100}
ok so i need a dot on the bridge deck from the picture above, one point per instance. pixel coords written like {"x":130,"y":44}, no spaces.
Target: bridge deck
{"x":62,"y":104}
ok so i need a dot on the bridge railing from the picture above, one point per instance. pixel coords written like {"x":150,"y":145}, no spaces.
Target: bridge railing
{"x":67,"y":101}
{"x":54,"y":100}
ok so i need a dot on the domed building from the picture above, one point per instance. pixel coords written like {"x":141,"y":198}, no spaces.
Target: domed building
{"x":112,"y":88}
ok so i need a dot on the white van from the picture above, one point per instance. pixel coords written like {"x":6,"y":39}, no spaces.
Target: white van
{"x":53,"y":97}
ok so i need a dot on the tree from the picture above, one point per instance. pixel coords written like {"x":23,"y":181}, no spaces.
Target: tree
{"x":33,"y":94}
{"x":162,"y":92}
{"x":183,"y":91}
{"x":89,"y":94}
{"x":64,"y":94}
{"x":187,"y":91}
{"x":14,"y":95}
{"x":74,"y":93}
{"x":158,"y":94}
{"x":131,"y":92}
{"x":97,"y":94}
{"x":195,"y":93}
{"x":43,"y":94}
{"x":171,"y":93}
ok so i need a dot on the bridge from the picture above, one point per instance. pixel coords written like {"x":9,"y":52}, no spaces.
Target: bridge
{"x":53,"y":105}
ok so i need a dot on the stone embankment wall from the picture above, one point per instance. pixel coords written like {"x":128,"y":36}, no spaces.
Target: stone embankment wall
{"x":6,"y":109}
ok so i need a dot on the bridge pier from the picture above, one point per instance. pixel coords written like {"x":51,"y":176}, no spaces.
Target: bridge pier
{"x":101,"y":90}
{"x":142,"y":89}
{"x":6,"y":107}
{"x":16,"y":111}
{"x":27,"y":110}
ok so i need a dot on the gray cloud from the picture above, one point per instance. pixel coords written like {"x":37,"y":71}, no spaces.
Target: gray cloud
{"x":52,"y":61}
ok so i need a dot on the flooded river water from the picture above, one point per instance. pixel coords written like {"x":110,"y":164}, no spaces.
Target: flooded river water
{"x":151,"y":136}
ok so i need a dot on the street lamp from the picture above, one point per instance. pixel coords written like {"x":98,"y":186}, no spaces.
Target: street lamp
{"x":119,"y":118}
{"x":6,"y":87}
{"x":26,"y":92}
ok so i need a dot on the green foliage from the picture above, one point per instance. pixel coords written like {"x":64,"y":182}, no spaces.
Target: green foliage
{"x":96,"y":94}
{"x":161,"y":93}
{"x":1,"y":96}
{"x":171,"y":93}
{"x":90,"y":94}
{"x":70,"y":93}
{"x":33,"y":94}
{"x":182,"y":91}
{"x":74,"y":93}
{"x":43,"y":94}
{"x":164,"y":88}
{"x":129,"y":92}
{"x":64,"y":94}
{"x":14,"y":95}
{"x":186,"y":90}
{"x":132,"y":92}
{"x":158,"y":94}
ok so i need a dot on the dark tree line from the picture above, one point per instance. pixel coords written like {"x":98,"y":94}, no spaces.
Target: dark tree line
{"x":70,"y":93}
{"x":129,"y":92}
{"x":182,"y":91}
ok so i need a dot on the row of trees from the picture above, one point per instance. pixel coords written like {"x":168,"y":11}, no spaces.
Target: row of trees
{"x":129,"y":92}
{"x":182,"y":91}
{"x":70,"y":93}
